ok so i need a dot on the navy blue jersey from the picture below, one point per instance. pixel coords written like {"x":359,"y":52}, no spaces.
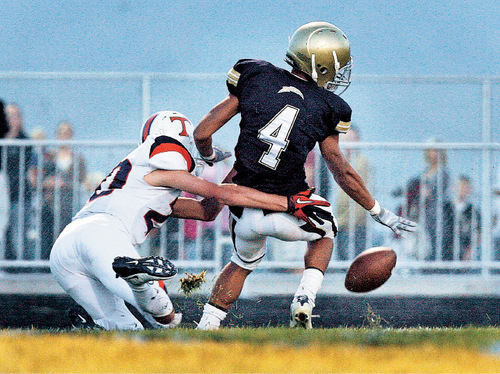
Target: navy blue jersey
{"x":282,"y":119}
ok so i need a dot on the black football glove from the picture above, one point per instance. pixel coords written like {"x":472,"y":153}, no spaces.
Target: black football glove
{"x":302,"y":206}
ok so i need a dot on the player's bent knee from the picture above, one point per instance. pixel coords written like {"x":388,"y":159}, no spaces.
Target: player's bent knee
{"x":246,"y":263}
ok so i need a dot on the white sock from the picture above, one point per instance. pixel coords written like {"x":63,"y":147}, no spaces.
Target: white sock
{"x":211,"y":318}
{"x":153,"y":300}
{"x":310,"y":284}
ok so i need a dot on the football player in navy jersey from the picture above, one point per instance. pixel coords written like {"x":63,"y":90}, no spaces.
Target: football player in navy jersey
{"x":284,"y":114}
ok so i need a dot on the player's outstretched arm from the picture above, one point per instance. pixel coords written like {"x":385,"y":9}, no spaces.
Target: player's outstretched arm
{"x":352,"y":183}
{"x":228,"y":194}
{"x":344,"y":174}
{"x":203,"y":210}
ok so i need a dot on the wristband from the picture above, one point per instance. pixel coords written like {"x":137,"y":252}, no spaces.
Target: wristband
{"x":211,"y":157}
{"x":376,"y":209}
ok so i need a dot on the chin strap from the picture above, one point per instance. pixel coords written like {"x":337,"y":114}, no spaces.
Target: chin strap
{"x":337,"y":63}
{"x":314,"y":73}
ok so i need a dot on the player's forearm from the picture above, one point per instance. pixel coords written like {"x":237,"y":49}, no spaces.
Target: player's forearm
{"x":351,"y":182}
{"x":353,"y":185}
{"x":247,"y":197}
{"x":344,"y":174}
{"x":203,"y":136}
{"x":203,"y":139}
{"x":203,"y":210}
{"x":211,"y":208}
{"x":213,"y":121}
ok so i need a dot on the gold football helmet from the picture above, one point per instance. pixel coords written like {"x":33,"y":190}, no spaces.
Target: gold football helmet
{"x":321,"y":50}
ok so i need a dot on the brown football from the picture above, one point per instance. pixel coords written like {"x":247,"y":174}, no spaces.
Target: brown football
{"x":370,"y":269}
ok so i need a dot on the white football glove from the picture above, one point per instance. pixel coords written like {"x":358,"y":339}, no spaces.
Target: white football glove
{"x":216,"y":156}
{"x":396,"y":223}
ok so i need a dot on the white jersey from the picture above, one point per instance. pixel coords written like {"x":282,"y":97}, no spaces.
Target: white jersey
{"x":125,"y":194}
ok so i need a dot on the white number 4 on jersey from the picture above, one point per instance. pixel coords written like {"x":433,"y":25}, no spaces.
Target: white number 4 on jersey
{"x":276,"y":133}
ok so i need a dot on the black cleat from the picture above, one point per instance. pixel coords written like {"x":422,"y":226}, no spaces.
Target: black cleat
{"x":80,"y":319}
{"x":144,"y":269}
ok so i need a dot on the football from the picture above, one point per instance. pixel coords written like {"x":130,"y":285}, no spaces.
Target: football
{"x":370,"y":269}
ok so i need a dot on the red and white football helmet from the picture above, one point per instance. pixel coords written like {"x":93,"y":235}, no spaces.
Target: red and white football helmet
{"x":172,"y":124}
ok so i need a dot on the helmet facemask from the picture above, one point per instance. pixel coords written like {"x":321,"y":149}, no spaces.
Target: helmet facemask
{"x":341,"y":80}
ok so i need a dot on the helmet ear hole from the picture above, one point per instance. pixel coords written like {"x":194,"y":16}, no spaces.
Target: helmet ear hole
{"x":322,"y":69}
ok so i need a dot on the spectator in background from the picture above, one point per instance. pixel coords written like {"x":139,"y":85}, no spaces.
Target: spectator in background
{"x":4,"y":184}
{"x":496,"y":219}
{"x":39,"y":154}
{"x":469,"y":220}
{"x":38,"y":157}
{"x":63,"y":172}
{"x":351,"y":217}
{"x":4,"y":126}
{"x":428,"y":200}
{"x":18,"y":159}
{"x":38,"y":134}
{"x":92,"y":180}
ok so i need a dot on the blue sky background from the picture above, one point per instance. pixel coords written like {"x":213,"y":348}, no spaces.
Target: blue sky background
{"x":403,"y":37}
{"x":420,"y":37}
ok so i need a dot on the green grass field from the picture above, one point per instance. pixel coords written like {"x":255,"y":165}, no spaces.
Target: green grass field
{"x":249,"y":350}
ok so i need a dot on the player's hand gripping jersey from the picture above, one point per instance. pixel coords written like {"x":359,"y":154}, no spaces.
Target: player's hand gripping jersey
{"x":125,"y":195}
{"x":282,"y":119}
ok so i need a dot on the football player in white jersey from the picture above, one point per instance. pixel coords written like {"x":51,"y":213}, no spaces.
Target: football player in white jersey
{"x":95,"y":258}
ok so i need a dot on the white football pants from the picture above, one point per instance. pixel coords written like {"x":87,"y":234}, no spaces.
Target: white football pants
{"x":81,"y":261}
{"x":251,"y":227}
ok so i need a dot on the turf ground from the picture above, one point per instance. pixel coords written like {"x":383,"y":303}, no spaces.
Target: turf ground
{"x":50,"y":311}
{"x":253,"y":350}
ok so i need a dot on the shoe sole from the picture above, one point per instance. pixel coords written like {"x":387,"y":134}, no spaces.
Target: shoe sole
{"x":154,"y":267}
{"x":301,"y":318}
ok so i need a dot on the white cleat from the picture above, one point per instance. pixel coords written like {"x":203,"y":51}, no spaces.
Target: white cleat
{"x":208,"y":324}
{"x":301,"y":312}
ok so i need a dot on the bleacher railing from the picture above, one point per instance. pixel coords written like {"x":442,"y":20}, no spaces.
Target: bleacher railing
{"x":49,"y":195}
